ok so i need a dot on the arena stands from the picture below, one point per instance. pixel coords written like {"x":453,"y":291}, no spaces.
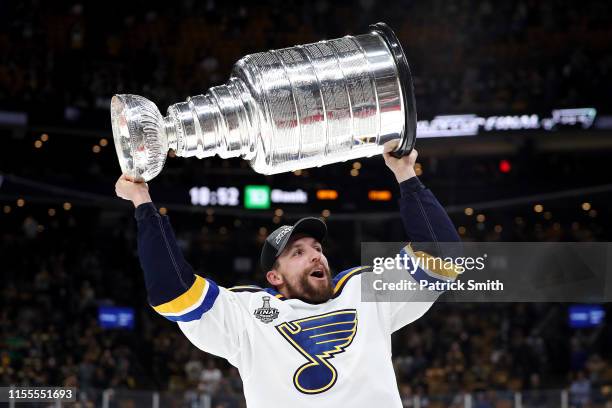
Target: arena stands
{"x":68,"y":246}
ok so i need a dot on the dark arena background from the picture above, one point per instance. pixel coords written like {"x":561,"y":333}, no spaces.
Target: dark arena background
{"x":514,"y":138}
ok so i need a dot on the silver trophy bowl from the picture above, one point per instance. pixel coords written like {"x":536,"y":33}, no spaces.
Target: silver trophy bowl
{"x":283,"y":110}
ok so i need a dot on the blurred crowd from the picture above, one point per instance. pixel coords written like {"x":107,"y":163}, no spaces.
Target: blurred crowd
{"x":486,"y":56}
{"x":57,"y":276}
{"x":494,"y":351}
{"x":483,"y":56}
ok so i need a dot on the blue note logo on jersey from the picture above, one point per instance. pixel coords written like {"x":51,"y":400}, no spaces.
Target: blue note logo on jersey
{"x":319,"y":338}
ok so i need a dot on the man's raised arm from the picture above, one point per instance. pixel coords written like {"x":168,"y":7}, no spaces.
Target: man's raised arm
{"x":167,"y":274}
{"x":426,"y":224}
{"x":174,"y":290}
{"x":425,"y":220}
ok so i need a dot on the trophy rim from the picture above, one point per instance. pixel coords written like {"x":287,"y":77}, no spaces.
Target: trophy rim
{"x":409,"y":138}
{"x":150,"y":136}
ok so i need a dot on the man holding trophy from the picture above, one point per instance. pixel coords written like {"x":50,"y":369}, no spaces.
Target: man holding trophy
{"x":308,"y":339}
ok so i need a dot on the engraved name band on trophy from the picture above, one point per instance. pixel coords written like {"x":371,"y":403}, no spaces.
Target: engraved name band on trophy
{"x":282,"y":110}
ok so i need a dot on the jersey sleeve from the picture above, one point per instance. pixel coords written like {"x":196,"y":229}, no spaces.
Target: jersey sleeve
{"x":220,"y":330}
{"x":432,"y":237}
{"x":210,"y":316}
{"x":424,"y":271}
{"x":398,"y":308}
{"x":424,"y":218}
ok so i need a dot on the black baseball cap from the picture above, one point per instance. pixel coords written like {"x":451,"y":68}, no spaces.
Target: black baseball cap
{"x":278,"y":239}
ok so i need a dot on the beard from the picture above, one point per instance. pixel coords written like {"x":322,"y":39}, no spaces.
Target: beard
{"x":305,"y":289}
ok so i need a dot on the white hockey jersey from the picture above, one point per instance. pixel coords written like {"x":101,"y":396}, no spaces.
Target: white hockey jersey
{"x":294,"y":354}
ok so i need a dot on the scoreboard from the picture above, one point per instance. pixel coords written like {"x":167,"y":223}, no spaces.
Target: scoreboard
{"x":262,"y":197}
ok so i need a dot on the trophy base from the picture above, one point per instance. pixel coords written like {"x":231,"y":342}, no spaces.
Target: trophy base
{"x":409,"y":137}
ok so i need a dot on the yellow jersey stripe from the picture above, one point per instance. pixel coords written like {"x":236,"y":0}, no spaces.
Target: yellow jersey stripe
{"x":186,"y":300}
{"x":347,"y":276}
{"x":434,"y":264}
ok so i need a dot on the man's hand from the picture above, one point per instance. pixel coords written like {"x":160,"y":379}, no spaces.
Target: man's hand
{"x":135,"y":191}
{"x":403,"y":168}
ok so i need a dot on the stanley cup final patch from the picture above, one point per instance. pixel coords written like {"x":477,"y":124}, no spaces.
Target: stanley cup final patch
{"x":266,"y":313}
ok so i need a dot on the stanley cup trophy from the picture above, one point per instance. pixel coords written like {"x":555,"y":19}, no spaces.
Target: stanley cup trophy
{"x":282,"y":110}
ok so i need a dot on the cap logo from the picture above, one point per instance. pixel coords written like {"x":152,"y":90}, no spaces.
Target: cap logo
{"x":282,"y":233}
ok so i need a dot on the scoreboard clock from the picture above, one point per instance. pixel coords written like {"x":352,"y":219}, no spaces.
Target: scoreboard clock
{"x":222,"y":196}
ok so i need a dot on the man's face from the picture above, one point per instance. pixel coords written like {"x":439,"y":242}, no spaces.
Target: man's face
{"x":304,"y":271}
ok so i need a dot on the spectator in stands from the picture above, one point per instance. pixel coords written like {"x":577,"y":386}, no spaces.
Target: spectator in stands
{"x":580,"y":390}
